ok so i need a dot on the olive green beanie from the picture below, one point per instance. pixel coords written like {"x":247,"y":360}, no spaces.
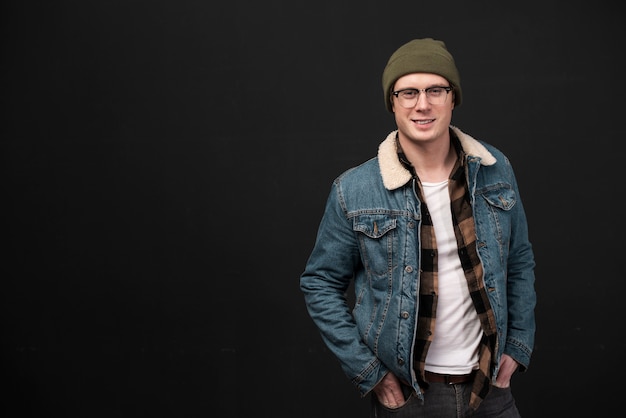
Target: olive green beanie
{"x":421,"y":56}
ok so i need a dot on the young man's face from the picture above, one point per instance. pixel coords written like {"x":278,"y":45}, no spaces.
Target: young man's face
{"x":422,"y":121}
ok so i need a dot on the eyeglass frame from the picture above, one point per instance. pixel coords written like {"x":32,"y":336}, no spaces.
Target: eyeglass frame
{"x":448,"y":89}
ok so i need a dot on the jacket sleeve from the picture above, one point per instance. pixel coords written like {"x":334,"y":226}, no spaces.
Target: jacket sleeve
{"x":324,"y":282}
{"x":521,"y":296}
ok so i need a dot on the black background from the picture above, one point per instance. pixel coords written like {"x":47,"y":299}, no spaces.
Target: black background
{"x":165,"y":165}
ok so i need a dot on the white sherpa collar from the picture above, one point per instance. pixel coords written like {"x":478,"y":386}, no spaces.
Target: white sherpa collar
{"x":395,"y":175}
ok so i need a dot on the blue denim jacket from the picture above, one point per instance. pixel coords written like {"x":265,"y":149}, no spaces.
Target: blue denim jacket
{"x":370,"y":233}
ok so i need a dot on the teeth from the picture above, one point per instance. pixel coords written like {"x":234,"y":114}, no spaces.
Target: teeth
{"x":422,"y":122}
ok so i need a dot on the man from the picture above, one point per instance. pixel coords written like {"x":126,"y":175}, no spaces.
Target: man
{"x":433,"y":233}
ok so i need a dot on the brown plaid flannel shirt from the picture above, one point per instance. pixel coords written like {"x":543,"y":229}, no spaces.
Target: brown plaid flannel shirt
{"x":464,"y":229}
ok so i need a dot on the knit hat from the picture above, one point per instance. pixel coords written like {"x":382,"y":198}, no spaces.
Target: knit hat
{"x":421,"y":56}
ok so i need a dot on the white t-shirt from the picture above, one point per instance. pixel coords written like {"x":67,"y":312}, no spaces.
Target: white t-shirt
{"x":454,"y":349}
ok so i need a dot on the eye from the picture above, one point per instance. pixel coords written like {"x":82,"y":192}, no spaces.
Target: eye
{"x":409,"y":93}
{"x":435,"y":91}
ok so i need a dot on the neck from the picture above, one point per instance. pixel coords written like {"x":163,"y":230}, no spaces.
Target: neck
{"x":433,"y":162}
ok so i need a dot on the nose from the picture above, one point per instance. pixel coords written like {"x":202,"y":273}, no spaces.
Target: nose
{"x":422,"y":101}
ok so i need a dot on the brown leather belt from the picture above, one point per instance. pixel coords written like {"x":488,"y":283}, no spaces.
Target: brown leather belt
{"x":448,"y":379}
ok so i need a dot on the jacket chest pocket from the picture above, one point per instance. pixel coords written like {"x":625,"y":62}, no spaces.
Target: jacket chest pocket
{"x":377,"y":236}
{"x":497,"y":202}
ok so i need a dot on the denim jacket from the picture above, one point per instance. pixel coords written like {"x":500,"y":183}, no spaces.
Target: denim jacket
{"x":370,"y":232}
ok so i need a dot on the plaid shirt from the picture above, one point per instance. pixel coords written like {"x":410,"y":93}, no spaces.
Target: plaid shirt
{"x":464,"y":230}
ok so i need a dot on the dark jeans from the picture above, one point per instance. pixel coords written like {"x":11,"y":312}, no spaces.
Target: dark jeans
{"x":450,"y":401}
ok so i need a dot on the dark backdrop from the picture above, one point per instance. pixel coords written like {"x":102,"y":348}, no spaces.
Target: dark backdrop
{"x":165,"y":165}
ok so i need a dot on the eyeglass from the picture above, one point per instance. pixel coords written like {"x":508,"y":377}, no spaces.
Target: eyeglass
{"x":435,"y":95}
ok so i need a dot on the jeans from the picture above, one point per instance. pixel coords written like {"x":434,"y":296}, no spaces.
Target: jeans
{"x":442,"y":400}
